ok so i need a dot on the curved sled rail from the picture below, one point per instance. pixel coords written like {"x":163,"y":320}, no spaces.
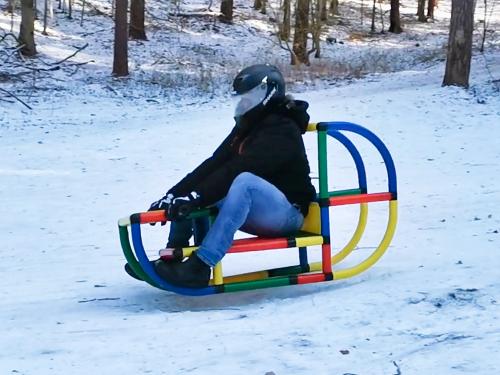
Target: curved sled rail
{"x":333,"y":129}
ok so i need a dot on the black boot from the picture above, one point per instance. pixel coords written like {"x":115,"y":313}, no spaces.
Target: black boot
{"x":193,"y":273}
{"x":131,"y":272}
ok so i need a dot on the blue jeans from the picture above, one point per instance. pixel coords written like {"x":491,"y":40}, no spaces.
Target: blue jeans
{"x":252,"y":205}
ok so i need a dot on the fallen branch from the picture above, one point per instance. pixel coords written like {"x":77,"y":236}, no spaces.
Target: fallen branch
{"x":2,"y":38}
{"x":72,"y":55}
{"x":15,"y":97}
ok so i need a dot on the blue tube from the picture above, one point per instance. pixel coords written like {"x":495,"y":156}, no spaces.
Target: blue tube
{"x":376,"y":141}
{"x":150,"y":271}
{"x":303,"y":257}
{"x":358,"y":161}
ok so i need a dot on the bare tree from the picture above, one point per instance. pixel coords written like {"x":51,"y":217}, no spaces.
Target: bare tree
{"x":421,"y":11}
{"x":120,"y":58}
{"x":334,"y":7}
{"x":486,"y":22}
{"x":284,"y":27}
{"x":395,"y":26}
{"x":316,"y":26}
{"x":226,"y":9}
{"x":430,"y":9}
{"x":136,"y":28}
{"x":324,"y":11}
{"x":27,"y":28}
{"x":374,"y":8}
{"x":460,"y":43}
{"x":263,"y":8}
{"x":300,"y":55}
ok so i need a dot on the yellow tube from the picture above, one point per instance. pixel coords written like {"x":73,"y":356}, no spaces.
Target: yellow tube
{"x":311,"y":127}
{"x":379,"y":251}
{"x":356,"y":237}
{"x":218,"y":279}
{"x":351,"y":245}
{"x":250,"y":276}
{"x":308,"y":241}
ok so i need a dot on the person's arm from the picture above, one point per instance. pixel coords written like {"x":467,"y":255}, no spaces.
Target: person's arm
{"x":266,"y":154}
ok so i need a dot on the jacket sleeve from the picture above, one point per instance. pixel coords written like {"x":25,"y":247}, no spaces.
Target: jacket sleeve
{"x":264,"y":156}
{"x":191,"y":181}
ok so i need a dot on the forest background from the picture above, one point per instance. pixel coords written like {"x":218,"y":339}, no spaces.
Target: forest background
{"x":185,"y":49}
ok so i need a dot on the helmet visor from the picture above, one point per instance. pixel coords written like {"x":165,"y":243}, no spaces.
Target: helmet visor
{"x":250,"y":99}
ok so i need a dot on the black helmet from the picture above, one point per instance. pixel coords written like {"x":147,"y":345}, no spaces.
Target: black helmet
{"x":257,"y":85}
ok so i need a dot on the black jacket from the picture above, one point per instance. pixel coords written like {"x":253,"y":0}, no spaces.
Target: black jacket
{"x":269,"y":146}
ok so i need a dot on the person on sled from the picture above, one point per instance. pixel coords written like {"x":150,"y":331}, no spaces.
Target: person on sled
{"x":258,"y":178}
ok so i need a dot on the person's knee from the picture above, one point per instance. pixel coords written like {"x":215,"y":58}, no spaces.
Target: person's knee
{"x":245,"y":179}
{"x":242,"y":183}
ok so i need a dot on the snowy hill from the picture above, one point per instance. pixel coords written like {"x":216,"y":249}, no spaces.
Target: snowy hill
{"x":86,"y":156}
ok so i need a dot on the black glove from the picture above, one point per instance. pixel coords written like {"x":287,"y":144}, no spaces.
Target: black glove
{"x":181,"y":207}
{"x":162,"y":204}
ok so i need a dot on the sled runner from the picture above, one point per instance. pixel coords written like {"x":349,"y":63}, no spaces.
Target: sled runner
{"x":316,"y":230}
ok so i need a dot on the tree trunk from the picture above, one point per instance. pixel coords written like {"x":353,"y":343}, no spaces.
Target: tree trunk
{"x":395,"y":26}
{"x":430,"y":9}
{"x":10,"y":6}
{"x":315,"y":27}
{"x":460,"y":43}
{"x":285,"y":26}
{"x":136,"y":28}
{"x":27,"y":28}
{"x":226,"y":9}
{"x":421,"y":11}
{"x":120,"y":58}
{"x":374,"y":7}
{"x":301,"y":30}
{"x":334,"y":7}
{"x":263,"y":9}
{"x":324,"y":12}
{"x":257,"y":4}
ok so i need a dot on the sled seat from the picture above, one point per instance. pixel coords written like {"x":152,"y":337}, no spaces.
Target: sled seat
{"x":309,"y":235}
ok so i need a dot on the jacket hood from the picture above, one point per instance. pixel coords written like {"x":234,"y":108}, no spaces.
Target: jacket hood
{"x":297,"y":111}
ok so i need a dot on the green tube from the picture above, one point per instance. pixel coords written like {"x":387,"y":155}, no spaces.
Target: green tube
{"x":322,"y":164}
{"x":129,"y":255}
{"x":257,"y":284}
{"x":285,"y":271}
{"x":339,"y":193}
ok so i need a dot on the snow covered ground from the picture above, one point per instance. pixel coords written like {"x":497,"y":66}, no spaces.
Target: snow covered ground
{"x":71,"y":167}
{"x":95,"y":149}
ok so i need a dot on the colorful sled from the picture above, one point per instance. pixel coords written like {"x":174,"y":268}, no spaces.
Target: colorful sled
{"x":315,"y":232}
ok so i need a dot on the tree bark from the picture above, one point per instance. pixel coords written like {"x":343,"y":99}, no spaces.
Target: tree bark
{"x":136,"y":28}
{"x":459,"y":56}
{"x":395,"y":26}
{"x":257,"y":4}
{"x":334,"y":7}
{"x":300,"y":34}
{"x":27,"y":28}
{"x":374,"y":7}
{"x":421,"y":11}
{"x":285,"y":26}
{"x":324,"y":12}
{"x":226,"y":9}
{"x":120,"y":58}
{"x":430,"y":9}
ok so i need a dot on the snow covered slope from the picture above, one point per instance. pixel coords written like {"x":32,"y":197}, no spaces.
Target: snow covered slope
{"x":71,"y":167}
